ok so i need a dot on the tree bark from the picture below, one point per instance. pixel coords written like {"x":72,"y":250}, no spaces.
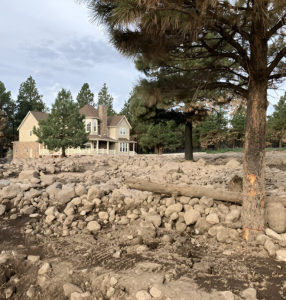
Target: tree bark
{"x":190,"y":191}
{"x":253,"y":211}
{"x":63,"y":152}
{"x":280,"y":144}
{"x":160,"y":150}
{"x":189,"y":141}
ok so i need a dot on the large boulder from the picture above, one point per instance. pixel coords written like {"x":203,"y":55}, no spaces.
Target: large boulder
{"x":95,"y":192}
{"x":48,"y":179}
{"x":171,"y":167}
{"x":28,"y":175}
{"x":173,"y":208}
{"x":54,"y":189}
{"x":4,"y":183}
{"x":191,"y":216}
{"x":65,"y":195}
{"x":10,"y":192}
{"x":233,"y":163}
{"x":276,"y":217}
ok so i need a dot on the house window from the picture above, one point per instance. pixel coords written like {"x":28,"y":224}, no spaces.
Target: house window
{"x":27,"y":149}
{"x":16,"y":150}
{"x":88,"y":126}
{"x":123,"y":147}
{"x":122,"y":131}
{"x":31,"y":132}
{"x":94,"y":125}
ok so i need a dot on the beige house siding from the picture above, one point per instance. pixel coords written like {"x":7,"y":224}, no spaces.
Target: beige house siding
{"x":26,"y":149}
{"x":112,"y":132}
{"x":24,"y":131}
{"x":123,"y":124}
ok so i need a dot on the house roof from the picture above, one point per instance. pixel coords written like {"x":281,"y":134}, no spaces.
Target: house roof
{"x":113,"y":121}
{"x":98,"y":137}
{"x":89,"y":111}
{"x":39,"y":115}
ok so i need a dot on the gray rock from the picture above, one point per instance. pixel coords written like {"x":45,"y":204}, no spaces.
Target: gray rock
{"x":117,"y":196}
{"x":4,"y":183}
{"x":173,"y":208}
{"x":181,"y":227}
{"x":93,"y":226}
{"x":70,"y":288}
{"x":28,"y":210}
{"x":249,"y":294}
{"x":103,"y":215}
{"x":51,"y":211}
{"x":65,"y":195}
{"x":82,"y":296}
{"x":28,"y":175}
{"x":194,"y":201}
{"x":208,"y":202}
{"x":191,"y":216}
{"x":222,"y":234}
{"x":11,"y":191}
{"x":95,"y":192}
{"x":2,"y":209}
{"x":233,"y":216}
{"x":80,"y":190}
{"x":154,"y":218}
{"x":273,"y":234}
{"x":270,"y":247}
{"x":212,"y":219}
{"x":143,"y":295}
{"x":202,"y":226}
{"x":276,"y":217}
{"x":171,"y":167}
{"x":281,"y":255}
{"x":54,"y":189}
{"x":155,"y":292}
{"x":45,"y":269}
{"x":48,"y":179}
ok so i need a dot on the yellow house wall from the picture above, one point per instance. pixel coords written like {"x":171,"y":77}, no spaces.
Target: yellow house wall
{"x":24,"y":131}
{"x":123,"y":124}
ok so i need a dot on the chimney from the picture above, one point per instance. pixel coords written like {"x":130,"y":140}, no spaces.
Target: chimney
{"x":102,"y":111}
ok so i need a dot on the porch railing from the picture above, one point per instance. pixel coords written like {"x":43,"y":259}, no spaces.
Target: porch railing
{"x":84,"y":152}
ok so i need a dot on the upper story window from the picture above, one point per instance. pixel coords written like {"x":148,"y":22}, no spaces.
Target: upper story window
{"x":122,"y":131}
{"x":31,"y":132}
{"x":88,"y":126}
{"x":94,"y":125}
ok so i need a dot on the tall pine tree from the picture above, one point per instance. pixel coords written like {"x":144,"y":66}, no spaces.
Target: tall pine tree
{"x":7,"y":119}
{"x":64,"y":126}
{"x":277,"y":122}
{"x":104,"y":98}
{"x":28,"y":99}
{"x":85,"y":96}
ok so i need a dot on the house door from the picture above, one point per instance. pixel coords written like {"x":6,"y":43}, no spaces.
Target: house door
{"x":31,"y":153}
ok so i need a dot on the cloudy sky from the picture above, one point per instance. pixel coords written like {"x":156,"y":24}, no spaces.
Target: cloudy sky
{"x":55,"y":43}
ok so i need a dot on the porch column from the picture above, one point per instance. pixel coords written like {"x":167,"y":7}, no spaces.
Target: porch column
{"x":107,"y":147}
{"x":97,"y":145}
{"x":133,"y":148}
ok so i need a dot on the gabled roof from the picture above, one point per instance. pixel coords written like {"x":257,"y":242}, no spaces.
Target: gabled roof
{"x":89,"y":111}
{"x":37,"y":115}
{"x":113,"y":121}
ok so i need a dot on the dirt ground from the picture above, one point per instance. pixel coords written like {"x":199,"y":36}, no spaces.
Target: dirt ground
{"x":179,"y":264}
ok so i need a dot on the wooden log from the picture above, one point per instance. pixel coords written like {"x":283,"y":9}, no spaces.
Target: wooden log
{"x":189,"y":191}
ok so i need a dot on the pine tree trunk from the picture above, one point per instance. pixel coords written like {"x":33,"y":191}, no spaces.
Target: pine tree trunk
{"x":156,"y":150}
{"x":160,"y":150}
{"x":280,"y":144}
{"x":189,"y":141}
{"x":253,"y":212}
{"x":63,"y":152}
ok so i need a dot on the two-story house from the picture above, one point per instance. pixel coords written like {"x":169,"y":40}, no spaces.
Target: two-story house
{"x":107,"y":135}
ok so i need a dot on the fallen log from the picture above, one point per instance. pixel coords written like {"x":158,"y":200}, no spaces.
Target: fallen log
{"x":189,"y":191}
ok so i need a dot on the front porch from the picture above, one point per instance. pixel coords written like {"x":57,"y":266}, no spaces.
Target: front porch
{"x":98,"y":147}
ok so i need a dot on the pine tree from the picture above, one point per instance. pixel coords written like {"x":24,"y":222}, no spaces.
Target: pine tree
{"x":7,"y":119}
{"x":85,"y":96}
{"x":104,"y":98}
{"x":277,"y":122}
{"x":238,"y":126}
{"x":28,"y":99}
{"x":163,"y":135}
{"x":64,"y":126}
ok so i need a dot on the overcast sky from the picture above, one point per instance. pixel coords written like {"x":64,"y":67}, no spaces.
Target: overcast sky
{"x":55,"y":43}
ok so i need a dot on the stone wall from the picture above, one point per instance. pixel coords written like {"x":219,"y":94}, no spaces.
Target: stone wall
{"x":102,"y":111}
{"x":26,"y":150}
